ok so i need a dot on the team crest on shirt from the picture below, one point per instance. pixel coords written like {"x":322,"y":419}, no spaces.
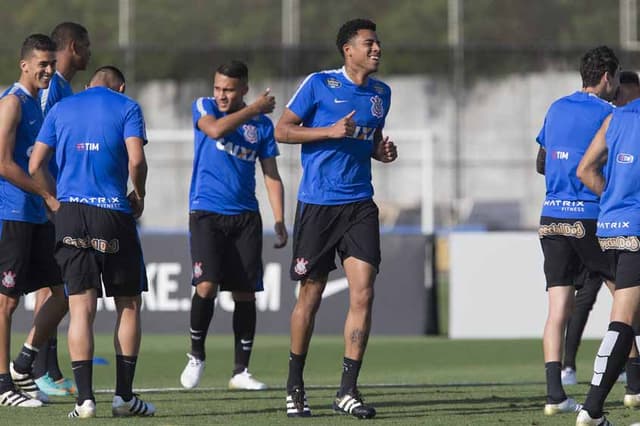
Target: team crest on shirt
{"x":333,"y":83}
{"x":301,"y":266}
{"x":377,"y":109}
{"x":197,"y":269}
{"x":250,"y":133}
{"x":9,"y":279}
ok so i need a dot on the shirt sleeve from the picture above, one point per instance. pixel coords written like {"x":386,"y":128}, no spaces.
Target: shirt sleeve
{"x":303,"y":101}
{"x":202,"y":107}
{"x":47,"y":133}
{"x":540,"y":137}
{"x":134,"y":124}
{"x":268,"y":146}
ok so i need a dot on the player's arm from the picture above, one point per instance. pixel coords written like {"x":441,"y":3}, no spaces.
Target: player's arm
{"x":384,"y":150}
{"x":10,"y":115}
{"x":39,"y":171}
{"x":137,"y":173}
{"x":216,"y":128}
{"x":590,"y":167}
{"x":541,"y":160}
{"x":290,"y":130}
{"x":275,"y":192}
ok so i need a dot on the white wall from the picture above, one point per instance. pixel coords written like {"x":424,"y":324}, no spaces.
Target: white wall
{"x":497,"y":288}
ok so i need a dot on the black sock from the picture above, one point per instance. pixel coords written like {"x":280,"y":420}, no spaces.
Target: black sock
{"x":296,"y":366}
{"x":6,"y":384}
{"x":633,"y":375}
{"x":201,"y":314}
{"x":555,"y":392}
{"x":244,"y":330}
{"x":350,"y":371}
{"x":23,"y":362}
{"x":39,"y":366}
{"x":611,"y":357}
{"x":53,"y":368}
{"x":83,"y":374}
{"x":125,"y":370}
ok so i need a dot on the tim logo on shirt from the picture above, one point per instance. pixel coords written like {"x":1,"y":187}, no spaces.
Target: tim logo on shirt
{"x":88,"y":146}
{"x":560,"y":155}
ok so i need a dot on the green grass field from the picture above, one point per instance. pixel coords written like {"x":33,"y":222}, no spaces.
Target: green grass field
{"x":410,"y":380}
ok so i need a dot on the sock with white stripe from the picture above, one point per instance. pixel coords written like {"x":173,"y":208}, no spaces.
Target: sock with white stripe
{"x":244,"y":330}
{"x":125,"y":370}
{"x":611,"y":357}
{"x":201,"y":314}
{"x":350,"y":372}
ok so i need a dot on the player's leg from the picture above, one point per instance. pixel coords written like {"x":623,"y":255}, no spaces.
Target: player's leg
{"x":359,"y":250}
{"x":589,"y":285}
{"x":207,"y":244}
{"x":82,"y":311}
{"x":124,"y":277}
{"x":40,"y":362}
{"x":243,"y":269}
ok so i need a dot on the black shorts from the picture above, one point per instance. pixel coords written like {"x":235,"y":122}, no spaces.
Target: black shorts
{"x":96,"y":245}
{"x":320,"y":231}
{"x":227,"y":250}
{"x":569,"y":246}
{"x":624,"y":255}
{"x":26,"y":257}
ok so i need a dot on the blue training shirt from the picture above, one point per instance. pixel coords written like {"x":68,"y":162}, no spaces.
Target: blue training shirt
{"x":338,"y":171}
{"x":570,"y":125}
{"x":16,"y":204}
{"x":223,"y":180}
{"x":58,"y":89}
{"x":620,"y":200}
{"x":88,"y":133}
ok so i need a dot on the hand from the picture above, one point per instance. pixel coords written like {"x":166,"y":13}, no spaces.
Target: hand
{"x":343,"y":127}
{"x":281,"y":235}
{"x":52,"y":203}
{"x":385,"y":151}
{"x":265,"y":103}
{"x":137,"y":204}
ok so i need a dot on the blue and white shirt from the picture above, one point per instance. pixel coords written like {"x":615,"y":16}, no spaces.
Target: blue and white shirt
{"x":88,"y":133}
{"x":16,"y":204}
{"x":569,"y":126}
{"x":338,"y":171}
{"x":223,"y":180}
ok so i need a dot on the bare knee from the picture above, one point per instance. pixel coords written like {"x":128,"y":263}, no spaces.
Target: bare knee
{"x":207,"y":290}
{"x":8,"y":305}
{"x":361,"y":299}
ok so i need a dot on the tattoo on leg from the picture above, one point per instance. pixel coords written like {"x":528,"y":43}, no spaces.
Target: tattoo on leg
{"x":360,"y":338}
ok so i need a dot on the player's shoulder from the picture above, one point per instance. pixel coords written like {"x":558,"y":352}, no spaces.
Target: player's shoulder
{"x":204,"y":102}
{"x":13,"y":97}
{"x":263,"y":121}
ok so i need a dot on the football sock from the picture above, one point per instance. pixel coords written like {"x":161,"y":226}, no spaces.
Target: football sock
{"x":6,"y":384}
{"x":633,"y":375}
{"x":296,"y":367}
{"x":53,"y":368}
{"x":201,"y":314}
{"x":555,"y":392}
{"x":83,"y":374}
{"x":22,"y":363}
{"x":125,"y":370}
{"x":350,"y":371}
{"x":39,"y":366}
{"x":244,"y":330}
{"x":611,"y":357}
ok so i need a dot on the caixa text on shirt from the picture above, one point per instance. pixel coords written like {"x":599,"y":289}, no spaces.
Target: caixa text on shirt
{"x":237,"y":151}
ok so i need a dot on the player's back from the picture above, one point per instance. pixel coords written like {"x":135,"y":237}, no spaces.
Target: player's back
{"x":570,"y":125}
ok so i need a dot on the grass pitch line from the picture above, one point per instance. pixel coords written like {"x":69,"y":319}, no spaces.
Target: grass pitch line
{"x":329,"y":387}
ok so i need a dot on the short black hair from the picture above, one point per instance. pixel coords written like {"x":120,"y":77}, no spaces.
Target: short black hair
{"x":66,"y":32}
{"x":235,"y":69}
{"x":595,"y":63}
{"x":110,"y":73}
{"x":36,"y":42}
{"x":629,"y":77}
{"x":349,"y":29}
